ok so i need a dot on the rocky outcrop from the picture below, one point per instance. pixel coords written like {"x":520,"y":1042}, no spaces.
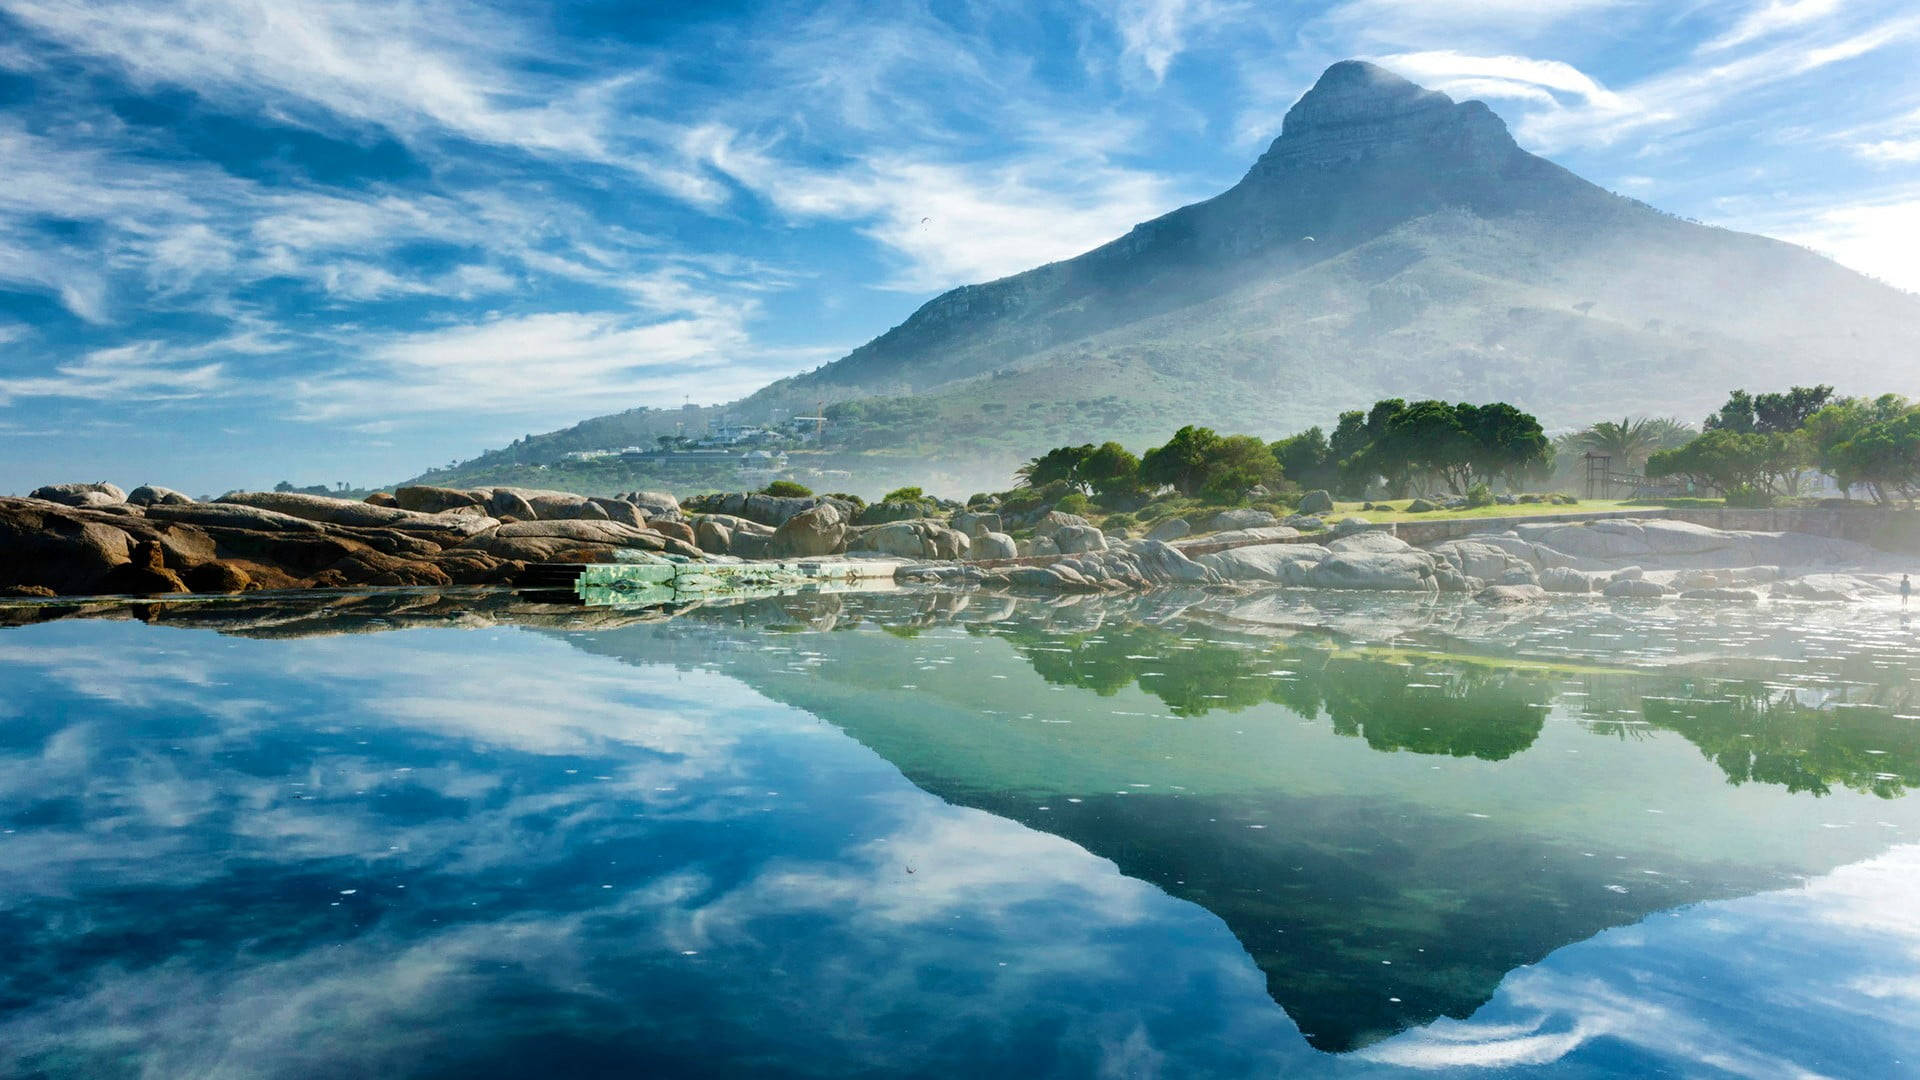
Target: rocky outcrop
{"x":771,"y":510}
{"x":911,"y":540}
{"x":977,"y":524}
{"x":283,"y":540}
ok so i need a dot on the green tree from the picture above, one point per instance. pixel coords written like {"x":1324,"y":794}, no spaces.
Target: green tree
{"x":1200,"y":461}
{"x":1784,"y":414}
{"x":1181,"y":463}
{"x":1346,"y":450}
{"x":1062,"y":463}
{"x":1112,"y":472}
{"x":1507,"y":443}
{"x":1838,"y":423}
{"x":787,"y":488}
{"x":1735,"y":416}
{"x":1429,"y":438}
{"x":1307,"y":459}
{"x":1885,"y":456}
{"x":1731,"y":462}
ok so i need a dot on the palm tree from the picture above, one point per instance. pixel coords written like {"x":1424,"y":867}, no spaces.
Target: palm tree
{"x":1629,"y":442}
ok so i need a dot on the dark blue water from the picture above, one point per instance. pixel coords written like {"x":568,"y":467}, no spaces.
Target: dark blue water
{"x":901,"y":837}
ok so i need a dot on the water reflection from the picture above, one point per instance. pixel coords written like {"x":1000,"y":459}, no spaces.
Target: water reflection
{"x":626,"y":842}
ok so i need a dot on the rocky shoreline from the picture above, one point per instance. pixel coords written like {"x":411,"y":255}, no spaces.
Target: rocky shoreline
{"x":93,"y":539}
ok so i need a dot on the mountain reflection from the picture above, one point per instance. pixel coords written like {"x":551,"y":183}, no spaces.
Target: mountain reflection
{"x":1391,"y":806}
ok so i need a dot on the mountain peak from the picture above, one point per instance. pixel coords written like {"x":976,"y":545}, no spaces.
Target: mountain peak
{"x":1358,"y":109}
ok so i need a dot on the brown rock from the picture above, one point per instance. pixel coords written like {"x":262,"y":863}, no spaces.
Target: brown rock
{"x":674,"y":530}
{"x":144,"y":574}
{"x":710,"y":535}
{"x":219,"y":577}
{"x":818,"y":530}
{"x":433,"y":500}
{"x":623,"y":512}
{"x":381,"y":498}
{"x":36,"y":591}
{"x":47,"y":545}
{"x":374,"y":568}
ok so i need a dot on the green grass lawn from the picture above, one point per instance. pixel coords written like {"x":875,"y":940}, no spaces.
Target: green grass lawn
{"x":1397,"y":510}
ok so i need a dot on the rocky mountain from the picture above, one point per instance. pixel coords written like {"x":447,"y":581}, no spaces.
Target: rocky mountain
{"x":1390,"y":242}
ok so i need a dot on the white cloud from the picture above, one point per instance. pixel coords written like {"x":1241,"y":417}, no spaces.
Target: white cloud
{"x":1874,"y":237}
{"x":142,"y":372}
{"x":957,"y":222}
{"x":1769,"y":18}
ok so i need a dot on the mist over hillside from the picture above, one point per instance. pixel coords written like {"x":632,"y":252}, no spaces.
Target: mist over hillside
{"x":1390,"y":243}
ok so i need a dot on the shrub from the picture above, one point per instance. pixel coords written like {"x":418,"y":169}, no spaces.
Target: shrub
{"x":980,"y":498}
{"x":1748,"y":497}
{"x":787,"y":489}
{"x":1480,"y":495}
{"x":905,"y":494}
{"x":1075,"y":503}
{"x":1119,"y":521}
{"x":856,"y":500}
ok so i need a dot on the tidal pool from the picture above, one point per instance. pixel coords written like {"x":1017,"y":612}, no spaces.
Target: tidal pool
{"x":929,"y":834}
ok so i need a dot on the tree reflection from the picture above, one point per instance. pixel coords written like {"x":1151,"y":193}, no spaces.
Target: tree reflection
{"x":1433,"y":706}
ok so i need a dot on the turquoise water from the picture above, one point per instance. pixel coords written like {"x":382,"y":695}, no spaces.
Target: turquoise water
{"x":923,"y":834}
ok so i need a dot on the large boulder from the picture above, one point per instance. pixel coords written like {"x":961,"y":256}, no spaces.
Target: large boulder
{"x":1564,"y":579}
{"x":153,"y":494}
{"x":882,"y":513}
{"x":232,"y":516}
{"x":1053,"y":521}
{"x":100,"y":493}
{"x":818,"y":530}
{"x":428,"y":499}
{"x":565,"y":506}
{"x":1377,"y":541}
{"x":1286,"y":564}
{"x":1474,"y":558}
{"x":1074,"y":539}
{"x":1038,"y":546}
{"x":1423,"y":506}
{"x":711,"y":536}
{"x":219,"y":576}
{"x":1242,"y":518}
{"x":654,"y":503}
{"x":1406,"y":571}
{"x":1315,"y":502}
{"x":994,"y":545}
{"x":506,"y":503}
{"x":43,"y":546}
{"x":145,"y":573}
{"x":912,"y":540}
{"x":620,"y":510}
{"x":352,"y":512}
{"x":1169,"y":529}
{"x":976,"y":523}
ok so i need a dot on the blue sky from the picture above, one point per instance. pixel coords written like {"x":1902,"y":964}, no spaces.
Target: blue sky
{"x":248,"y":240}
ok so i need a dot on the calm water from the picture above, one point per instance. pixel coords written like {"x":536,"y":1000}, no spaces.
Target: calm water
{"x":902,"y":834}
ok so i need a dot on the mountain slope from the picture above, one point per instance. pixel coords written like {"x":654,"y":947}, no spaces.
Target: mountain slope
{"x":1390,"y":242}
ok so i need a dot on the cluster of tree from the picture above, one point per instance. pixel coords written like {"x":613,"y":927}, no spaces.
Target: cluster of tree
{"x":1405,"y":447}
{"x":1760,"y":447}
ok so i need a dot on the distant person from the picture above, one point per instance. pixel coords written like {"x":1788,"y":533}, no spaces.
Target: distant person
{"x":1906,"y":588}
